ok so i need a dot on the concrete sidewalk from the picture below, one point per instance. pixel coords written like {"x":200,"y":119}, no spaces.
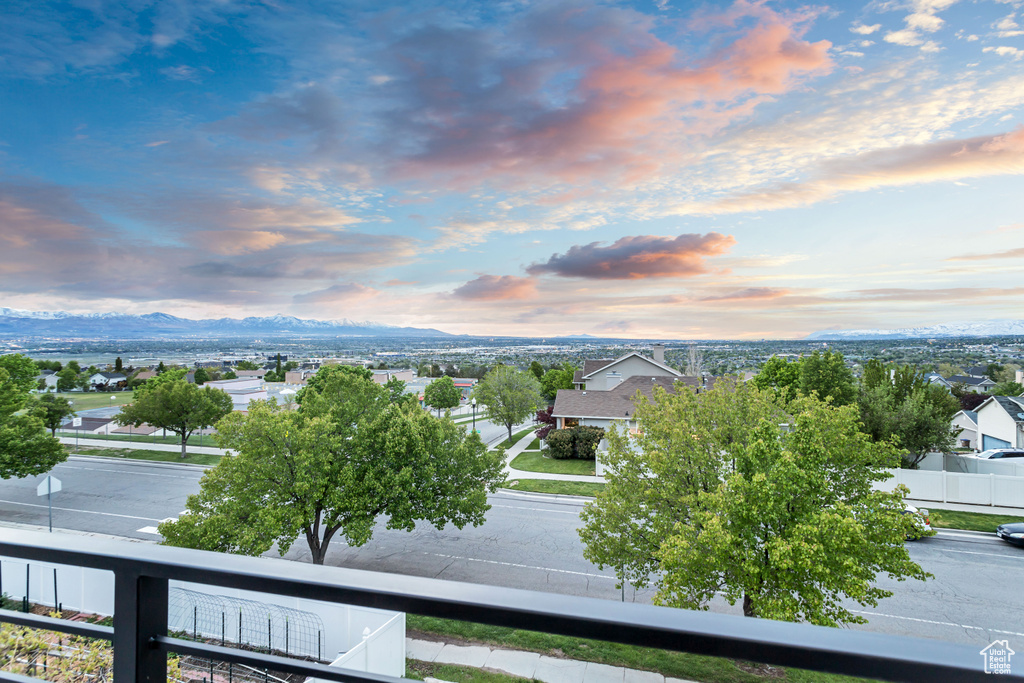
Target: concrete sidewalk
{"x":528,"y":665}
{"x":141,"y":446}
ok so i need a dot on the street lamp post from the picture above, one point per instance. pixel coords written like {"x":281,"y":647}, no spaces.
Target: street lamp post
{"x":474,"y":416}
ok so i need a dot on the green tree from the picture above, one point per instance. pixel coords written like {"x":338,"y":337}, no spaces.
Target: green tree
{"x":537,"y":369}
{"x":176,"y":406}
{"x":118,"y":365}
{"x":346,"y":458}
{"x":73,"y":364}
{"x":21,"y":370}
{"x":277,"y":369}
{"x":289,"y":366}
{"x":1007,"y":389}
{"x":25,"y":447}
{"x":48,"y":365}
{"x":201,"y":376}
{"x":827,"y":375}
{"x":714,"y":497}
{"x":896,"y":403}
{"x":780,"y":375}
{"x":326,"y":377}
{"x":67,"y":379}
{"x":509,"y":396}
{"x":230,"y":374}
{"x":557,"y":378}
{"x":160,"y":368}
{"x":442,"y":393}
{"x":246,"y":365}
{"x":397,"y":394}
{"x":52,"y":410}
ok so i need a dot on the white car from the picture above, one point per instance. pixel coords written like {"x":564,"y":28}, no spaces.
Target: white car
{"x":921,"y":520}
{"x":994,"y":453}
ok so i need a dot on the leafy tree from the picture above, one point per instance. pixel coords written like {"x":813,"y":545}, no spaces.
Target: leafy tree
{"x":714,"y":497}
{"x":968,"y":399}
{"x":67,"y":379}
{"x":230,"y":374}
{"x":897,"y":403}
{"x":118,"y":365}
{"x":508,"y":395}
{"x":272,"y":376}
{"x":201,"y":376}
{"x":396,"y":393}
{"x":537,"y":369}
{"x":176,"y":406}
{"x":21,"y":370}
{"x":442,"y":393}
{"x":451,"y":371}
{"x":246,"y":365}
{"x":289,"y":366}
{"x":343,"y":460}
{"x":48,"y":365}
{"x":52,"y":410}
{"x":947,"y":370}
{"x":73,"y":364}
{"x":167,"y":377}
{"x":326,"y":376}
{"x":160,"y":368}
{"x":1007,"y":389}
{"x":781,"y":375}
{"x":25,"y":447}
{"x":277,"y":368}
{"x":435,"y":370}
{"x":827,"y":375}
{"x":557,"y":378}
{"x":545,"y":418}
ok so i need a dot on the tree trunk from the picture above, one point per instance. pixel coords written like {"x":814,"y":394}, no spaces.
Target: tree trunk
{"x":509,"y":426}
{"x":184,"y":440}
{"x":748,"y":606}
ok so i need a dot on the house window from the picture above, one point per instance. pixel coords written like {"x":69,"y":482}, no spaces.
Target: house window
{"x":571,"y":422}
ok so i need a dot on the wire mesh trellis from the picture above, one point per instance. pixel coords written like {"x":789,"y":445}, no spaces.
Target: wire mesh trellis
{"x":260,"y":625}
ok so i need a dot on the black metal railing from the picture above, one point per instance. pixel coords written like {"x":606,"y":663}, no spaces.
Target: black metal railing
{"x":141,"y":642}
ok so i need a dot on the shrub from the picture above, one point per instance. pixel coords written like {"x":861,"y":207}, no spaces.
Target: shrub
{"x":576,"y":442}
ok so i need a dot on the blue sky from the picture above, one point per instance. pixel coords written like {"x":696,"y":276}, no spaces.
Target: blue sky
{"x":648,"y":169}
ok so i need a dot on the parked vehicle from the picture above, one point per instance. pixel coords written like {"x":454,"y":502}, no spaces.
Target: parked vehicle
{"x":1011,"y":533}
{"x":994,"y":453}
{"x":922,"y":522}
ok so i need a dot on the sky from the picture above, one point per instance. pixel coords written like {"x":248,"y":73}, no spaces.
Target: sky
{"x":654,"y":169}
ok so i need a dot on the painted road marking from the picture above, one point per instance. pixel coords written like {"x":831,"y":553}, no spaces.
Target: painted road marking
{"x":520,"y":507}
{"x":148,"y":530}
{"x":938,"y":623}
{"x":134,"y":472}
{"x":89,"y":512}
{"x":522,"y":566}
{"x":974,"y":552}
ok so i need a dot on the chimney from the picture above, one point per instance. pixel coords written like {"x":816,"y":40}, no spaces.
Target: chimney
{"x":659,"y":352}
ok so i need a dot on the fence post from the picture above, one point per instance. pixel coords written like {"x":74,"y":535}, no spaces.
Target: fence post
{"x":945,"y":479}
{"x":140,"y":614}
{"x":991,"y":489}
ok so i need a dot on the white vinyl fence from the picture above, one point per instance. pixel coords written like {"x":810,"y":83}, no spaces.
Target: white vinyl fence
{"x":1001,"y":490}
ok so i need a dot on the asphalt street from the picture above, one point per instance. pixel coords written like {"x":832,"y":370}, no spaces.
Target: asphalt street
{"x":531,"y":542}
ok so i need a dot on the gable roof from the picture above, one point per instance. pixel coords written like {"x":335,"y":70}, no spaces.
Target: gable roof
{"x":616,"y":403}
{"x":111,"y":375}
{"x":608,"y":364}
{"x":969,"y":414}
{"x":1013,"y":405}
{"x":969,"y":381}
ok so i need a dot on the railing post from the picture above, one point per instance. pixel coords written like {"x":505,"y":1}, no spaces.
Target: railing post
{"x":140,"y":614}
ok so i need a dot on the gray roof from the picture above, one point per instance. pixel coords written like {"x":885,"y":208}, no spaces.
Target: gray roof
{"x":971,"y":415}
{"x":112,"y":375}
{"x":616,"y":403}
{"x":969,"y":381}
{"x":1012,"y":405}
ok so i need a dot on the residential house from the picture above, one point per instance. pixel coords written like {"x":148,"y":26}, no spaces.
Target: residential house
{"x":242,"y":390}
{"x":1001,"y":422}
{"x":966,"y":424}
{"x":108,"y":381}
{"x":977,"y":385}
{"x":385,"y":376}
{"x":49,"y":380}
{"x":248,"y":374}
{"x":936,"y":378}
{"x":298,"y":376}
{"x":606,"y":389}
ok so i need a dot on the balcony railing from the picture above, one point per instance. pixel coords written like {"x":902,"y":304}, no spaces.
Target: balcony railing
{"x":141,"y":642}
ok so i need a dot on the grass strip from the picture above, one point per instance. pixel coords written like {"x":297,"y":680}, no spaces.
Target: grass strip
{"x":417,"y":671}
{"x":562,"y":488}
{"x":676,"y":664}
{"x":516,"y":437}
{"x":534,"y":461}
{"x":969,"y":521}
{"x":156,"y":456}
{"x":81,"y":400}
{"x":207,"y":439}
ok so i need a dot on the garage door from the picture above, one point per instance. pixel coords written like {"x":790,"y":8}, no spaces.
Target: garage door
{"x":988,"y":442}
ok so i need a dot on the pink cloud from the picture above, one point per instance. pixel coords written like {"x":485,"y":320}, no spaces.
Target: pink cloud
{"x":749,"y":294}
{"x":494,"y":288}
{"x":642,"y":256}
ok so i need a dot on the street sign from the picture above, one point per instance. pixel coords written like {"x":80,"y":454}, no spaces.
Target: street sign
{"x":76,"y":422}
{"x":48,"y":485}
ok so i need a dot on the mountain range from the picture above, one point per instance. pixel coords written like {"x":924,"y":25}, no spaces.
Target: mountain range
{"x":17,"y":323}
{"x":982,"y":328}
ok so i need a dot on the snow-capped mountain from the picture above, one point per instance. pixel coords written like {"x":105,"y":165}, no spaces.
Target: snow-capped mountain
{"x":17,"y":323}
{"x":981,"y":328}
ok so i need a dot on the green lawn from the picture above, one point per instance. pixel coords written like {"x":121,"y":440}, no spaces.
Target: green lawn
{"x":516,"y":436}
{"x":158,"y":456}
{"x":417,"y":671}
{"x":676,"y":664}
{"x":82,"y":400}
{"x":534,"y":461}
{"x":971,"y":521}
{"x":563,"y":488}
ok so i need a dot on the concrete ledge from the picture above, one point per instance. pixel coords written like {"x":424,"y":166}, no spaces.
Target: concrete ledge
{"x":463,"y":655}
{"x":515,"y":662}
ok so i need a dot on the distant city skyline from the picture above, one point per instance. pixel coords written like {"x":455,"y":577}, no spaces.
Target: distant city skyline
{"x":645,"y":169}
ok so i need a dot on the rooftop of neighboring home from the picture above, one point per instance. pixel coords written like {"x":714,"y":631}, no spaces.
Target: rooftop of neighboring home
{"x":969,"y":414}
{"x":617,"y":402}
{"x":969,"y":380}
{"x":1013,"y":405}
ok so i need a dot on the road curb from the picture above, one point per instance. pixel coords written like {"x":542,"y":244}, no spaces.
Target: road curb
{"x":85,"y":457}
{"x":547,"y":497}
